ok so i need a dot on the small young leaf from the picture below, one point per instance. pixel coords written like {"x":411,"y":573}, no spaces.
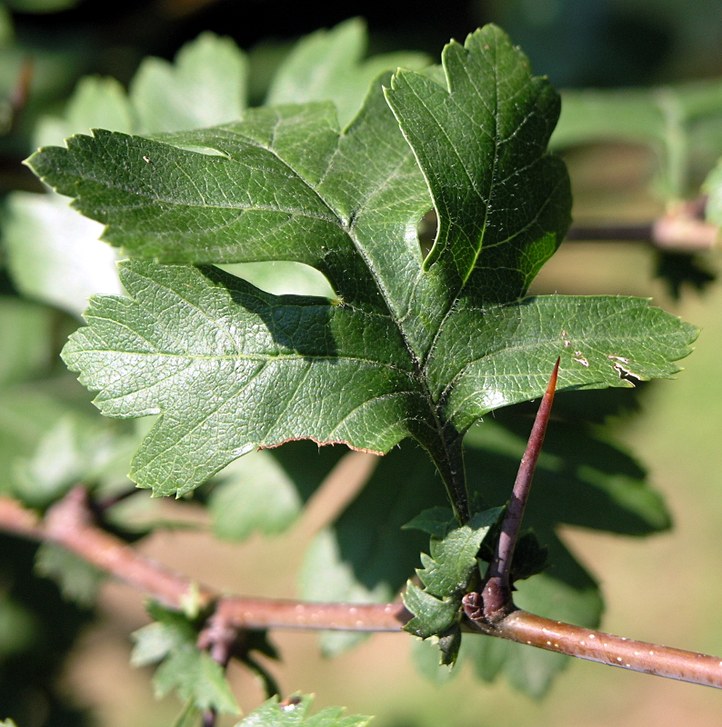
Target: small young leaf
{"x":157,"y":640}
{"x":445,"y":576}
{"x":294,"y":712}
{"x":432,"y":616}
{"x":446,"y":571}
{"x":195,"y":676}
{"x":184,"y":668}
{"x":152,"y":643}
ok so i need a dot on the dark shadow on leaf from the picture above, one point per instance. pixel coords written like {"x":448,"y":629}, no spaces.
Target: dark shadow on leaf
{"x":403,"y":484}
{"x":295,"y":322}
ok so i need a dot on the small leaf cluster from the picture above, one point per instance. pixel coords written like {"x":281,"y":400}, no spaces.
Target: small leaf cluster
{"x":171,"y":641}
{"x":445,"y":576}
{"x":295,"y":711}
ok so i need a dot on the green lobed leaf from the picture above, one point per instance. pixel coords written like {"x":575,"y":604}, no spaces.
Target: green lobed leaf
{"x":503,"y":204}
{"x":280,"y":349}
{"x":410,"y":347}
{"x":327,"y":65}
{"x":205,"y":85}
{"x":196,"y":677}
{"x":296,"y":711}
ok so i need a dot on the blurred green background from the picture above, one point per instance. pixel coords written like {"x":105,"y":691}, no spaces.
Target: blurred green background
{"x":666,"y":588}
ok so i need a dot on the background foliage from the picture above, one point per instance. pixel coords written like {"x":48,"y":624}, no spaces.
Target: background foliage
{"x":614,"y":181}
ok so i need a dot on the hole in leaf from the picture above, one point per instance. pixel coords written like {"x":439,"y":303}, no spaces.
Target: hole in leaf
{"x":282,"y":277}
{"x":426,"y":232}
{"x":621,"y":366}
{"x":208,"y":151}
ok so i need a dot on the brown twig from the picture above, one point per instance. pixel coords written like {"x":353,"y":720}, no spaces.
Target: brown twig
{"x":70,"y":525}
{"x":681,"y":229}
{"x":591,"y":645}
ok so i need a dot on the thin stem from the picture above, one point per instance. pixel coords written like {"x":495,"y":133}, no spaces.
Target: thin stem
{"x":591,"y":645}
{"x":496,"y":594}
{"x":218,"y":638}
{"x":70,"y":525}
{"x":450,"y":465}
{"x":267,"y":613}
{"x":682,"y":229}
